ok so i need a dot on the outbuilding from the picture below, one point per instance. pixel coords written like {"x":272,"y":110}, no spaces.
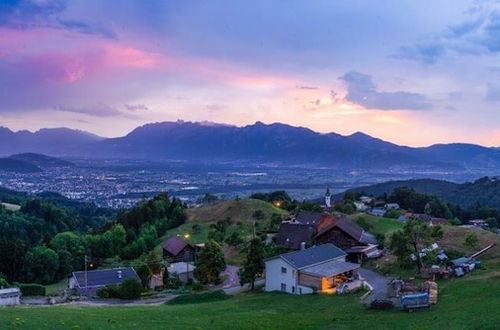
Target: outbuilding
{"x":10,"y":296}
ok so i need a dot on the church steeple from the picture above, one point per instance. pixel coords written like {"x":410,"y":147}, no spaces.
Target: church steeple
{"x":328,"y":198}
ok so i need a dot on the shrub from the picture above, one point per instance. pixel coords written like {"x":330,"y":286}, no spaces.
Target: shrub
{"x":109,"y":291}
{"x":130,"y":289}
{"x":195,"y":298}
{"x":173,"y":281}
{"x":32,"y":289}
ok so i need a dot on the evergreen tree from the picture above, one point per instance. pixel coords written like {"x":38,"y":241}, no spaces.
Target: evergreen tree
{"x":253,"y":266}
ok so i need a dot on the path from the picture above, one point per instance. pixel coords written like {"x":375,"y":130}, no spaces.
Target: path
{"x":377,"y":281}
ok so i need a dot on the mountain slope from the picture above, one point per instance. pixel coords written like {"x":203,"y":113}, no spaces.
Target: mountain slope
{"x":17,"y":166}
{"x":485,"y":191}
{"x":52,"y":141}
{"x":41,"y":161}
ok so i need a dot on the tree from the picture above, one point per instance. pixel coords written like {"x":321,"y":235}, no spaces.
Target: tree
{"x":492,"y":222}
{"x":412,"y":238}
{"x":471,"y":240}
{"x":234,"y":239}
{"x":253,"y":266}
{"x":130,"y":289}
{"x":210,"y":263}
{"x":363,"y":223}
{"x":42,"y":265}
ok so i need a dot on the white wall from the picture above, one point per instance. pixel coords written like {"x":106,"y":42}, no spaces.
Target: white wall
{"x":274,"y":277}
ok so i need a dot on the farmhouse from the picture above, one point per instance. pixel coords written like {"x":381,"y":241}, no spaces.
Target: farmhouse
{"x":176,"y":249}
{"x":320,"y":268}
{"x":302,"y":229}
{"x":9,"y":296}
{"x":349,"y":237}
{"x":87,"y":283}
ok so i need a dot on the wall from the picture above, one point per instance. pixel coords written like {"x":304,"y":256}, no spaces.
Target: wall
{"x":274,"y":277}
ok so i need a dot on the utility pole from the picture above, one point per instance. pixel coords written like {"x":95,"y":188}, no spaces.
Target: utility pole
{"x":85,"y":259}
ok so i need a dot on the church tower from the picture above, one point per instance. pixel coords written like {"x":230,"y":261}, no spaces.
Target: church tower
{"x":328,"y":198}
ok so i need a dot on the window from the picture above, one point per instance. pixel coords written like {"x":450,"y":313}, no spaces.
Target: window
{"x":283,"y":287}
{"x":300,"y":290}
{"x":283,"y":270}
{"x":293,"y":289}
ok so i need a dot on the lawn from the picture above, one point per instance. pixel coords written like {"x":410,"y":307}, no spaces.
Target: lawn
{"x":464,"y":303}
{"x":11,"y":207}
{"x":52,"y":289}
{"x":380,"y":225}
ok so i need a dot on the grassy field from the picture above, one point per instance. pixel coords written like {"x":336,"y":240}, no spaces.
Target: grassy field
{"x":464,"y":303}
{"x":11,"y":207}
{"x":52,"y":289}
{"x":380,"y":225}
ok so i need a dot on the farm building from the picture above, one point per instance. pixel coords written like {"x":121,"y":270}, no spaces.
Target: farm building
{"x":87,"y":283}
{"x":9,"y":296}
{"x":320,"y":268}
{"x":176,"y":249}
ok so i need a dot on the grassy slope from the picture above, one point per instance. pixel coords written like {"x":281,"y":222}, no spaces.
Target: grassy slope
{"x":12,"y":207}
{"x":380,"y":225}
{"x":464,"y":303}
{"x":240,"y":212}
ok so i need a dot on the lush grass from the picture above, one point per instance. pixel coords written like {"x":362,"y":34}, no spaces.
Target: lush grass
{"x":464,"y":303}
{"x":11,"y":207}
{"x":196,"y":298}
{"x":380,"y":225}
{"x":52,"y":289}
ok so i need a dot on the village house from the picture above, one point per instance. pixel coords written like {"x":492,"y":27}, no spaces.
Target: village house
{"x":185,"y":270}
{"x":391,"y":206}
{"x":86,"y":283}
{"x":377,"y":212}
{"x":10,"y":296}
{"x":176,"y":249}
{"x":351,"y":238}
{"x":321,"y":268}
{"x":301,"y":229}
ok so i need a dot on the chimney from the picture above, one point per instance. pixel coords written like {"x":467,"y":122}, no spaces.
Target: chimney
{"x":119,"y":273}
{"x":302,"y":246}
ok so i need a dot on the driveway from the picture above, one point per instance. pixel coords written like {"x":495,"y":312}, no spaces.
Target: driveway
{"x":231,"y":277}
{"x":377,"y":281}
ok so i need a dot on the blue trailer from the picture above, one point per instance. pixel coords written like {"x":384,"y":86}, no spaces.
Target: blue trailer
{"x":414,"y":301}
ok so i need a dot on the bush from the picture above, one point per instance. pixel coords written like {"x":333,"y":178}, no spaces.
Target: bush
{"x":196,"y":298}
{"x":31,"y":289}
{"x":130,"y":289}
{"x":173,"y":281}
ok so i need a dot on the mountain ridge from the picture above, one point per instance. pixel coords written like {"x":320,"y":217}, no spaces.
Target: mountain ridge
{"x":259,"y":143}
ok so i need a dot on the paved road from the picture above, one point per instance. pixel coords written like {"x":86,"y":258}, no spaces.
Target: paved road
{"x":231,"y":277}
{"x":377,"y":281}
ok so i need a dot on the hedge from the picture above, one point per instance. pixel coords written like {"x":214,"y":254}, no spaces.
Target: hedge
{"x":31,"y":289}
{"x":195,"y":298}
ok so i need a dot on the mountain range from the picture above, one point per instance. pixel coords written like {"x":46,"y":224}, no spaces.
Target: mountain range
{"x":31,"y":163}
{"x":273,"y":144}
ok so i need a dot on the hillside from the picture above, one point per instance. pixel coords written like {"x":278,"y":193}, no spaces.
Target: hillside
{"x":484,"y":191}
{"x":464,"y":303}
{"x":238,"y":210}
{"x":18,"y":166}
{"x":41,"y":161}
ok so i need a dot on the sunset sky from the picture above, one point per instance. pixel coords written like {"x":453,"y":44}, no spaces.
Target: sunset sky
{"x":407,"y":71}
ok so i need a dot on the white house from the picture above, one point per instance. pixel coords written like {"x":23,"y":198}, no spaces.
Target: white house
{"x":9,"y":296}
{"x":320,"y":268}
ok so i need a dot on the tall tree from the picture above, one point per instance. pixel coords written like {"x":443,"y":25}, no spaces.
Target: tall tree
{"x":412,"y":238}
{"x":210,"y":263}
{"x":253,"y":266}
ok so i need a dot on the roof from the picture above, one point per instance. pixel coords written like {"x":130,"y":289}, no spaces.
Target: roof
{"x":308,"y":217}
{"x":351,"y":229}
{"x":330,"y":268}
{"x":174,"y":245}
{"x":291,"y":235}
{"x":10,"y":292}
{"x":313,"y":255}
{"x":105,"y":277}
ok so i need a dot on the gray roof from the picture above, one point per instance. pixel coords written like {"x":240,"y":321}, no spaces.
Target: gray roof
{"x":330,"y":268}
{"x":308,"y":217}
{"x":313,"y":255}
{"x":291,"y":235}
{"x":352,"y":229}
{"x":105,"y":277}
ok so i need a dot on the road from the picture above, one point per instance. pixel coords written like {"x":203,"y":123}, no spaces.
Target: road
{"x":377,"y":281}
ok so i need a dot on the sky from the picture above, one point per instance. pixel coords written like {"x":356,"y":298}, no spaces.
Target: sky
{"x":410,"y":72}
